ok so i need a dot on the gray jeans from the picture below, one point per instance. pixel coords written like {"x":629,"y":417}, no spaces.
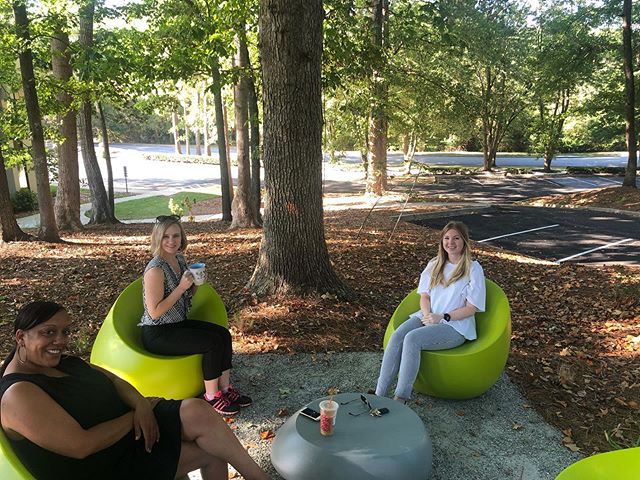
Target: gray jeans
{"x":403,"y":353}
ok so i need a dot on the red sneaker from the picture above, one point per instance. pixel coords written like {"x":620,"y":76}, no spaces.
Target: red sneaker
{"x":222,"y":404}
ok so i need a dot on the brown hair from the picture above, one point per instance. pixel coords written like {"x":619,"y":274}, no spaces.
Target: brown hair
{"x":462,"y":268}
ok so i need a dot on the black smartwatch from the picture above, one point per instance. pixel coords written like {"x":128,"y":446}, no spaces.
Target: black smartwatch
{"x":446,"y":317}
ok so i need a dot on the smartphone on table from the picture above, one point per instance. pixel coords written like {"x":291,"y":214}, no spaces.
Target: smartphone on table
{"x":310,"y":413}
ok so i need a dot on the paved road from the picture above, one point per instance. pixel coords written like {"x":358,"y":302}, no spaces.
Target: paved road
{"x":558,"y":235}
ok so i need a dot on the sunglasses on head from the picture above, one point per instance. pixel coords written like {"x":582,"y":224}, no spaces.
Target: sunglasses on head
{"x":164,"y":218}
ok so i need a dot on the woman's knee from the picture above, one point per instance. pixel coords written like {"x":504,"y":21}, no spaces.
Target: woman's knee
{"x":195,"y":414}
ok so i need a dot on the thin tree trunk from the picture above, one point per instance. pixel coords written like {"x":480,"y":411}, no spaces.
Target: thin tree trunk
{"x":632,"y":146}
{"x":205,"y":111}
{"x":293,"y":253}
{"x":176,"y":133}
{"x":187,"y":133}
{"x":67,"y":204}
{"x":48,"y":229}
{"x":196,"y":126}
{"x":222,"y":143}
{"x":243,"y":208}
{"x":254,"y":136}
{"x":106,"y":154}
{"x":101,"y":211}
{"x":378,"y":124}
{"x":226,"y":136}
{"x":9,"y":227}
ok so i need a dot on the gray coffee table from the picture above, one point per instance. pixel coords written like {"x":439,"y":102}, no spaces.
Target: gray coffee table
{"x":395,"y":445}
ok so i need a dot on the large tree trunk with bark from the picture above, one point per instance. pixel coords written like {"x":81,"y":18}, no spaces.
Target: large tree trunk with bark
{"x":101,"y":211}
{"x":67,"y":204}
{"x":293,"y":255}
{"x":222,"y":143}
{"x":242,"y":208}
{"x":632,"y":147}
{"x":9,"y":228}
{"x":378,"y":123}
{"x":48,"y":229}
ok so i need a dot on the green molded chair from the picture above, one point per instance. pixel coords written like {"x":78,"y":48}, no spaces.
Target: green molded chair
{"x":618,"y":465}
{"x":118,"y":346}
{"x":10,"y":466}
{"x":472,"y":368}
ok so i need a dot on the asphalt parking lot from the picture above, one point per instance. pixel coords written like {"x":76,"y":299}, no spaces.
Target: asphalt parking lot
{"x":553,"y":234}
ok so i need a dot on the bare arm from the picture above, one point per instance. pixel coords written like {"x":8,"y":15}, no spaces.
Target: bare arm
{"x":425,"y":304}
{"x":156,"y":304}
{"x":144,"y":420}
{"x":457,"y":314}
{"x":26,"y":410}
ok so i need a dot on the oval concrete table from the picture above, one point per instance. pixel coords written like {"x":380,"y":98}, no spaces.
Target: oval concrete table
{"x":395,"y":445}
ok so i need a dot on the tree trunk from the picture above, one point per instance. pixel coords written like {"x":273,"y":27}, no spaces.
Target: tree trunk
{"x":10,"y":229}
{"x":378,"y":123}
{"x":101,"y":211}
{"x":254,"y":141}
{"x":243,"y":208}
{"x":205,"y":111}
{"x":48,"y":229}
{"x":293,"y":255}
{"x":226,"y":136}
{"x":632,"y":146}
{"x":176,"y":133}
{"x":196,"y":126}
{"x":222,"y":143}
{"x":67,"y":204}
{"x":106,"y":154}
{"x":187,"y":133}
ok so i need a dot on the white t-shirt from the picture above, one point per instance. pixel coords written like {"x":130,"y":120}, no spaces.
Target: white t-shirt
{"x":445,"y":299}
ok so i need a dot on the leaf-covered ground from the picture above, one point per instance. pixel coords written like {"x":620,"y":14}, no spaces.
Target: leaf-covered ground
{"x":576,"y":329}
{"x":622,"y":198}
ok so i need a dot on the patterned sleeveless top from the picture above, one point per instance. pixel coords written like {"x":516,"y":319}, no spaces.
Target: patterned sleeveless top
{"x":178,"y":312}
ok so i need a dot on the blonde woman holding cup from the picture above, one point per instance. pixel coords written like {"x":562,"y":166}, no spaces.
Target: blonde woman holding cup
{"x":452,"y":289}
{"x":168,"y":287}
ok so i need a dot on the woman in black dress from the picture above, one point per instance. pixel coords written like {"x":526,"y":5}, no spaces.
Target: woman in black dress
{"x":67,"y":419}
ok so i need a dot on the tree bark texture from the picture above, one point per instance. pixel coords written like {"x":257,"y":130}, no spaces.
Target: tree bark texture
{"x":632,"y":146}
{"x":242,"y":208}
{"x":67,"y":204}
{"x":228,"y":144}
{"x":9,"y":227}
{"x":100,"y":209}
{"x":293,"y":255}
{"x":378,"y":123}
{"x":196,"y":125}
{"x":176,"y":133}
{"x":106,"y":154}
{"x":205,"y":111}
{"x":48,"y":229}
{"x":222,"y":143}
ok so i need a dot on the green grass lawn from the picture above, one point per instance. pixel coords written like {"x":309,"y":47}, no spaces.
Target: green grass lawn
{"x":151,"y":207}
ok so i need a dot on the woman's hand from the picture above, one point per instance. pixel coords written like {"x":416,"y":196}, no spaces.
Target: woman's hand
{"x":431,"y":318}
{"x":186,"y":281}
{"x":145,"y":423}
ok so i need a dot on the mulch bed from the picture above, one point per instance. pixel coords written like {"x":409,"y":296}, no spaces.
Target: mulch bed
{"x":576,"y":329}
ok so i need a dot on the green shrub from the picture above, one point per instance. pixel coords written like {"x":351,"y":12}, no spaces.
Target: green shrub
{"x":24,"y":200}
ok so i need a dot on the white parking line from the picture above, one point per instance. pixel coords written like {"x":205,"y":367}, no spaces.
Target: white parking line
{"x":594,"y":249}
{"x":518,"y":233}
{"x":583,"y":181}
{"x":477,"y":181}
{"x":608,"y":180}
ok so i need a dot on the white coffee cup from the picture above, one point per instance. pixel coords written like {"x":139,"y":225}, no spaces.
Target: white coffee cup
{"x":198,"y":272}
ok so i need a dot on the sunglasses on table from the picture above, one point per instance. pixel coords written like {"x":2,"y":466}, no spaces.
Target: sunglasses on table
{"x":164,"y":218}
{"x":374,"y":412}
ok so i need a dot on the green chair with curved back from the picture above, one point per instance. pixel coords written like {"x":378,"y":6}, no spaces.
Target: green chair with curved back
{"x":118,"y":346}
{"x":472,"y":368}
{"x":10,"y":466}
{"x":618,"y":464}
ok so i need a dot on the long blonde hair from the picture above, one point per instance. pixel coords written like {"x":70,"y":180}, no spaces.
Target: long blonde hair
{"x":163,"y":222}
{"x":464,"y":265}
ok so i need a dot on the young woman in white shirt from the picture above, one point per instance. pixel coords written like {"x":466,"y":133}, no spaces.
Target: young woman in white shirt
{"x":452,"y":289}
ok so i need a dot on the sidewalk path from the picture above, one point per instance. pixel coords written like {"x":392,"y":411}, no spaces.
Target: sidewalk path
{"x":495,"y":436}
